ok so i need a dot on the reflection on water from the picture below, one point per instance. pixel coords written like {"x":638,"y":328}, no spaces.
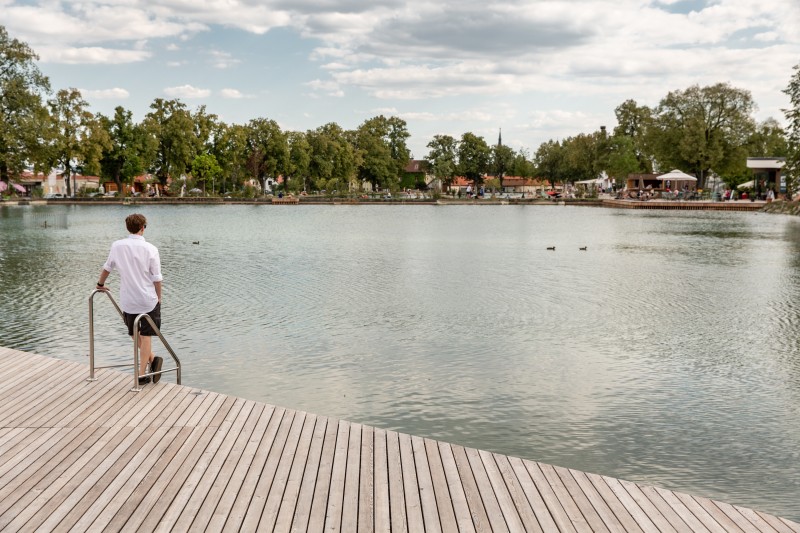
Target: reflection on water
{"x":666,"y":353}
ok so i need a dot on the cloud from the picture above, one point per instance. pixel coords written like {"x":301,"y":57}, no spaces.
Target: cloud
{"x":91,"y":55}
{"x":222,"y":60}
{"x":106,"y":94}
{"x":331,"y":88}
{"x":233,"y":94}
{"x":187,"y":91}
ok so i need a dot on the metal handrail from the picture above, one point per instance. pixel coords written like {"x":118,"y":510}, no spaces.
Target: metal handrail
{"x":135,"y":364}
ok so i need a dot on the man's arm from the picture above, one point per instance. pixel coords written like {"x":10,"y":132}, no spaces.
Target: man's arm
{"x":103,"y":277}
{"x":157,"y":285}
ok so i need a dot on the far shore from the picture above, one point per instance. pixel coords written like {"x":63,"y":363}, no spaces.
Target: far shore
{"x":781,"y":207}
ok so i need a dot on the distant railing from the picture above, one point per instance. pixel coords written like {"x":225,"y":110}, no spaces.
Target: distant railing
{"x":136,"y":388}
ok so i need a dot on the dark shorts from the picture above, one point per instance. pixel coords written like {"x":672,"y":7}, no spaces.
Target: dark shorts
{"x":144,"y":325}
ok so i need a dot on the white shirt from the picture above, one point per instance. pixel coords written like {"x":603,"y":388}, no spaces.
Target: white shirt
{"x":139,"y":266}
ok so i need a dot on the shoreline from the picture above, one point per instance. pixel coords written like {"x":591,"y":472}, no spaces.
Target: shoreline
{"x":779,"y":207}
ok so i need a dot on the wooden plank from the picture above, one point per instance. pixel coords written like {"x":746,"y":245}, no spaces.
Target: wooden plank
{"x":55,"y":494}
{"x":441,"y":489}
{"x":319,"y":503}
{"x":124,"y":474}
{"x":333,"y":513}
{"x":641,"y":517}
{"x":158,"y":486}
{"x":777,"y":524}
{"x":416,"y":522}
{"x":277,"y":491}
{"x":675,"y":499}
{"x":200,"y":467}
{"x":647,"y":506}
{"x":493,"y":510}
{"x":613,"y":514}
{"x":738,"y":517}
{"x":366,"y":489}
{"x":143,"y":477}
{"x":680,"y":517}
{"x":458,"y":497}
{"x":397,"y":499}
{"x":294,"y":483}
{"x":430,"y":511}
{"x":225,"y":473}
{"x":205,"y":481}
{"x":382,"y":516}
{"x":63,"y":452}
{"x":470,"y":486}
{"x":538,"y":506}
{"x":728,"y":523}
{"x":351,"y":480}
{"x":557,"y":511}
{"x":513,"y":488}
{"x":269,"y":448}
{"x":501,"y":492}
{"x":754,"y":518}
{"x":158,"y":499}
{"x":267,"y":425}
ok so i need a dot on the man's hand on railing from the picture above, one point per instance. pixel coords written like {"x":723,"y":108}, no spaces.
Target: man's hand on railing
{"x":102,"y":288}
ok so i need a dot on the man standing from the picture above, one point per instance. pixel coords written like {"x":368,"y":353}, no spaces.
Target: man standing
{"x":139,"y":267}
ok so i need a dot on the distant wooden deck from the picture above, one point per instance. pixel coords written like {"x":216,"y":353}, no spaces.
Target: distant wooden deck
{"x":85,"y":456}
{"x":691,"y":205}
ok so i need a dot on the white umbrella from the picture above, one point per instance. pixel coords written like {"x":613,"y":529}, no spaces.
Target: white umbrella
{"x":747,"y":185}
{"x":676,"y":175}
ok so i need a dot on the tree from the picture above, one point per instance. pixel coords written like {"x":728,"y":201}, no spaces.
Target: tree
{"x":502,"y":160}
{"x":636,"y":123}
{"x":523,"y":166}
{"x":229,"y":147}
{"x":333,"y":161}
{"x":23,"y":116}
{"x":473,"y":157}
{"x":126,"y":156}
{"x":622,"y":158}
{"x":792,"y":114}
{"x":442,"y":159}
{"x":703,"y":129}
{"x":267,"y":150}
{"x":204,"y":169}
{"x":381,"y":143}
{"x":172,"y":129}
{"x":768,"y":140}
{"x":77,"y":137}
{"x":550,"y":161}
{"x":299,"y":159}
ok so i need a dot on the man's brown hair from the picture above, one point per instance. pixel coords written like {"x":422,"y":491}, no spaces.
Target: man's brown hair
{"x":135,"y":222}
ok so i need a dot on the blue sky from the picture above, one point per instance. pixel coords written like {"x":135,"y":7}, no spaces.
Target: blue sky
{"x":538,"y":69}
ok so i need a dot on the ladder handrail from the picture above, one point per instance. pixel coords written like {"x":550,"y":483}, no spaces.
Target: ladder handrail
{"x":135,"y":364}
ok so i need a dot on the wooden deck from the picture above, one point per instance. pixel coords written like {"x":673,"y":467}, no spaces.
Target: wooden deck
{"x":81,"y":456}
{"x":691,"y":205}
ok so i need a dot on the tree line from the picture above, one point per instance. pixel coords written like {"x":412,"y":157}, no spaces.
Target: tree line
{"x":701,"y":130}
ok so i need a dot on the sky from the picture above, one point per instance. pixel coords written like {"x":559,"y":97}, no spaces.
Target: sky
{"x":535,"y":69}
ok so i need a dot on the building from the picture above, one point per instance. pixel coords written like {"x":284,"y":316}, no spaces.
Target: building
{"x":767,"y":174}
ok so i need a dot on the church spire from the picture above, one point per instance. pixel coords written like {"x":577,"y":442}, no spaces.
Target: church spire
{"x":500,"y":138}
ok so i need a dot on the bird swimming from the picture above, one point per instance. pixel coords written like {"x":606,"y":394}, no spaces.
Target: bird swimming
{"x":551,"y":248}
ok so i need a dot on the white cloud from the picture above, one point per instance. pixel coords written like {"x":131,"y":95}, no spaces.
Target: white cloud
{"x":106,"y":94}
{"x":187,"y":91}
{"x":223,"y":60}
{"x":234,"y":94}
{"x":331,"y":88}
{"x":91,"y":55}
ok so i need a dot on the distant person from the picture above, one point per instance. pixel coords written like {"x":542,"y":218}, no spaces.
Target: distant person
{"x":139,"y":267}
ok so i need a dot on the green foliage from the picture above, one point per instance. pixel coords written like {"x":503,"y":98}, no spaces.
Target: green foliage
{"x":792,"y":113}
{"x":299,"y":162}
{"x":23,"y":116}
{"x":381,"y":145}
{"x":703,"y":129}
{"x":77,"y":137}
{"x":267,"y":150}
{"x":172,"y":129}
{"x":502,"y":160}
{"x":635,"y":122}
{"x":333,"y":160}
{"x":205,"y":169}
{"x":550,"y":161}
{"x":442,"y":159}
{"x":473,"y":157}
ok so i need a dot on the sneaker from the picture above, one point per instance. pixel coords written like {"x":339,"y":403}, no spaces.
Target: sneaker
{"x":144,"y":381}
{"x":155,"y":366}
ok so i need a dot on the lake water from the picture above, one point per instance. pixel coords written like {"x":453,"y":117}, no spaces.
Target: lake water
{"x":666,"y":353}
